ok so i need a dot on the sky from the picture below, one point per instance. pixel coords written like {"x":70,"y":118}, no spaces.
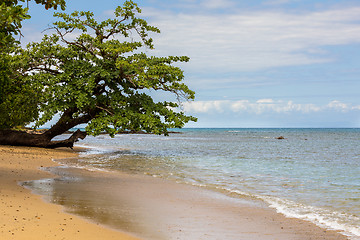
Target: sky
{"x":259,"y":63}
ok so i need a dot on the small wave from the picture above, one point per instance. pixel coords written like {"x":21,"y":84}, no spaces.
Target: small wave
{"x":321,"y":217}
{"x":347,"y":224}
{"x":89,"y":168}
{"x":77,"y":166}
{"x":94,"y":150}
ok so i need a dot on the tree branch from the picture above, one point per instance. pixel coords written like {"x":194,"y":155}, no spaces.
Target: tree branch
{"x":67,"y":122}
{"x":54,"y":71}
{"x":106,"y":110}
{"x":76,"y":44}
{"x":68,"y":142}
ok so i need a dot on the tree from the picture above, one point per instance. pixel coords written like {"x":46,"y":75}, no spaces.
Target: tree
{"x":100,"y":78}
{"x":15,"y":91}
{"x":12,"y":13}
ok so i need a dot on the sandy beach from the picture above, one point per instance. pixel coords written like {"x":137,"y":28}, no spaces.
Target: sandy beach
{"x":150,"y":206}
{"x":26,"y":216}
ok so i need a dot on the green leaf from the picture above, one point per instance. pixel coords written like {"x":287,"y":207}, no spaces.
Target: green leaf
{"x":102,"y":77}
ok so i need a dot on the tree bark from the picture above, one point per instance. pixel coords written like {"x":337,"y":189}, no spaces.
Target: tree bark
{"x":44,"y":140}
{"x":21,"y":138}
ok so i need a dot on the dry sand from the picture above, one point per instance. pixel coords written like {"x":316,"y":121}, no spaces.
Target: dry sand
{"x":26,"y":216}
{"x":184,"y":212}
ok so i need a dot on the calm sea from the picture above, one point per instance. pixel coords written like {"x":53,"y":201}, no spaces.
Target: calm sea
{"x":312,"y":174}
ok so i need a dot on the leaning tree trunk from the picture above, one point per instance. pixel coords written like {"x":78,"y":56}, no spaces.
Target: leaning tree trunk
{"x":66,"y":122}
{"x":21,"y":138}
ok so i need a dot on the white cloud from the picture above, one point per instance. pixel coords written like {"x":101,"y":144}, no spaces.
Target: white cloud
{"x":204,"y":106}
{"x":246,"y":40}
{"x":262,"y":106}
{"x":241,"y":105}
{"x":265,"y":101}
{"x":338,"y":105}
{"x":277,"y":2}
{"x":216,"y":4}
{"x":254,"y":40}
{"x":280,"y":2}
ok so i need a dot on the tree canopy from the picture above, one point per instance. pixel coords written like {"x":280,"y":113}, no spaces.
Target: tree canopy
{"x":97,"y":73}
{"x":17,"y":99}
{"x":12,"y":13}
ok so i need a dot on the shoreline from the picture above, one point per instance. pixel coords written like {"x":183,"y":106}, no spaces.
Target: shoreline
{"x":187,"y":211}
{"x":26,"y":216}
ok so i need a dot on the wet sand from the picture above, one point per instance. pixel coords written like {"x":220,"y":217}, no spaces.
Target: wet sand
{"x":151,"y":208}
{"x":26,"y":216}
{"x":154,"y":208}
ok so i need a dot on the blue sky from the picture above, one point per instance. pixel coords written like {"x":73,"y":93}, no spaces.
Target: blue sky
{"x":259,"y":63}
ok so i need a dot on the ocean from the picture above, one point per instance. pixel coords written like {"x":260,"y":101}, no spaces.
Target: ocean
{"x":311,"y":174}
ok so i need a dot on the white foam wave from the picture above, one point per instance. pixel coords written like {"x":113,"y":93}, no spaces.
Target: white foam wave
{"x":345,"y":223}
{"x":88,"y":168}
{"x":78,"y":166}
{"x":94,"y":150}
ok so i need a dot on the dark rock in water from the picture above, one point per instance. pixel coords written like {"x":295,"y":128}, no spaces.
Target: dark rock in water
{"x":281,"y":137}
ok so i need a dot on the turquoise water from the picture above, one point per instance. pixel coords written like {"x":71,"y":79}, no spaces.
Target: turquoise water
{"x":312,"y":174}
